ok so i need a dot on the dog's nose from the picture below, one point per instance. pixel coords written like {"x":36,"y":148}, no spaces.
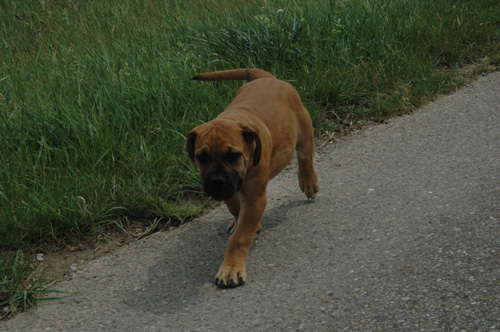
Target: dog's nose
{"x":217,"y":180}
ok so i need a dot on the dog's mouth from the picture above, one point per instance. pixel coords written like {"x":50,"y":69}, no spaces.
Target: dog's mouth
{"x":221,"y":186}
{"x":220,"y":197}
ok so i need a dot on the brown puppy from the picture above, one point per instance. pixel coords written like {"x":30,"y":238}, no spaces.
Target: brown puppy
{"x":243,"y":148}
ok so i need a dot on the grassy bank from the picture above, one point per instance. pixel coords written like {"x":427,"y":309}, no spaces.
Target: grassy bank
{"x":96,"y":97}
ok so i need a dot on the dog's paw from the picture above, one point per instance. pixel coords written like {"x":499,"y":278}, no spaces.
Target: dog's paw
{"x":230,"y":276}
{"x":309,"y":185}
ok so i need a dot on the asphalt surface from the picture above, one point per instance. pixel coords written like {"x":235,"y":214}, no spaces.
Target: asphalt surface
{"x":403,"y":236}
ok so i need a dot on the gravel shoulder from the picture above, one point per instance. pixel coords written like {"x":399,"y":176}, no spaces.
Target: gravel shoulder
{"x":403,"y":236}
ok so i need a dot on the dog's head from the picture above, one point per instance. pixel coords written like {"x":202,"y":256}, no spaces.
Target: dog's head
{"x":223,"y":151}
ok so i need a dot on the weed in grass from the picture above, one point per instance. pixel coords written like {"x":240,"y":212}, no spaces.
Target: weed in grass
{"x":18,"y":290}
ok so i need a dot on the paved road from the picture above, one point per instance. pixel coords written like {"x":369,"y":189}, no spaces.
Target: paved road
{"x":403,"y":236}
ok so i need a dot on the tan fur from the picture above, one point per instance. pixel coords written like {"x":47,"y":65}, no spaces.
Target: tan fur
{"x":266,"y":122}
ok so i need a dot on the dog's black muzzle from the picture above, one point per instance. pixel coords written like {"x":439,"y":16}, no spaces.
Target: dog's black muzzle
{"x":221,"y":186}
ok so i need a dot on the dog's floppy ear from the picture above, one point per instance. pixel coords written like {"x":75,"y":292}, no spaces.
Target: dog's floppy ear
{"x":250,"y":135}
{"x":190,"y":142}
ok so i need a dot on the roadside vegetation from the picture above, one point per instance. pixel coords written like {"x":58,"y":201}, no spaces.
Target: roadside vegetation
{"x":96,"y":97}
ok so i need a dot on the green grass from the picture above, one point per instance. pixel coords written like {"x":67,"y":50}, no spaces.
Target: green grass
{"x":96,"y":96}
{"x":19,"y":290}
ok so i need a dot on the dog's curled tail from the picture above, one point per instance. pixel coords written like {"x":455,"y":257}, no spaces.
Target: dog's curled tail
{"x":234,"y":74}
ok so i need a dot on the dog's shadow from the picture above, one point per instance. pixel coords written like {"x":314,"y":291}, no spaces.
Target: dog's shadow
{"x":191,"y":260}
{"x":278,"y":214}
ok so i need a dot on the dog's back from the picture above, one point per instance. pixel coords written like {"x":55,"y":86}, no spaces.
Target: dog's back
{"x":247,"y":74}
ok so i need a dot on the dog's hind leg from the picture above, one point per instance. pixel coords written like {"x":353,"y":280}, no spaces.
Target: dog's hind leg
{"x":308,"y":178}
{"x":233,"y":205}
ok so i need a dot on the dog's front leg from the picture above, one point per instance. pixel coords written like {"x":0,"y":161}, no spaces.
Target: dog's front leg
{"x":232,"y":271}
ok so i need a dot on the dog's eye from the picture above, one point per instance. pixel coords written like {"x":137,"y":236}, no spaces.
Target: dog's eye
{"x":203,"y":158}
{"x":232,"y":157}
